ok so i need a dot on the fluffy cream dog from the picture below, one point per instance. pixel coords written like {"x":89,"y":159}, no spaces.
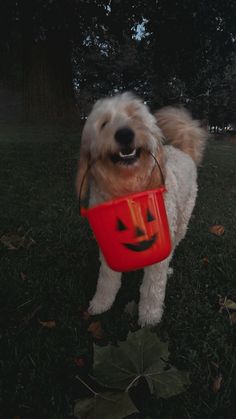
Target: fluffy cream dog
{"x":119,"y":135}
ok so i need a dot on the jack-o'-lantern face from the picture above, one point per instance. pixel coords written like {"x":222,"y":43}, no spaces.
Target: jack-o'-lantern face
{"x":139,"y":228}
{"x":132,"y":232}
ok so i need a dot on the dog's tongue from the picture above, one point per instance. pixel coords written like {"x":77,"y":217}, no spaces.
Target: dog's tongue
{"x":127,"y":153}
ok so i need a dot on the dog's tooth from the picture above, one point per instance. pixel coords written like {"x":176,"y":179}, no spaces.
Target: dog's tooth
{"x":127,"y":155}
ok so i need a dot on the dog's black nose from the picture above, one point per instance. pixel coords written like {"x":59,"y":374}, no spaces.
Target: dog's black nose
{"x":124,"y":136}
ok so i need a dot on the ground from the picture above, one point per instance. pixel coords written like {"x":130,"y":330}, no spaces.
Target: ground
{"x":54,"y":278}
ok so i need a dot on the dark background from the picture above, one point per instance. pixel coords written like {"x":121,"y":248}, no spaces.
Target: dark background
{"x":58,"y":56}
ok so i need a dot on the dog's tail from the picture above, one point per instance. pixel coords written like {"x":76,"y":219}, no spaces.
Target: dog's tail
{"x":182,"y":132}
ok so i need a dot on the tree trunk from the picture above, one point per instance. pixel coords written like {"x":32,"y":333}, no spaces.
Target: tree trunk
{"x":48,"y":83}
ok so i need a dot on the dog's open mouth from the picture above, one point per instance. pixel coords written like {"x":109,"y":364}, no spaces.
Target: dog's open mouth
{"x":126,"y":156}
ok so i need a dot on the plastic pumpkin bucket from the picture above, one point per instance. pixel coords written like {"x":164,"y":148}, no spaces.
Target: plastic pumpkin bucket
{"x":132,"y":231}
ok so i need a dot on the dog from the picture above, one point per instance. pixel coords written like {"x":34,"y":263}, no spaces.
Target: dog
{"x":121,"y":135}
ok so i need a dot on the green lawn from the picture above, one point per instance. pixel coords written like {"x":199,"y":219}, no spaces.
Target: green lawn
{"x":54,"y":279}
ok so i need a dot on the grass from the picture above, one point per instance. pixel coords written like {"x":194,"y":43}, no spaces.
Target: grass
{"x":55,"y":278}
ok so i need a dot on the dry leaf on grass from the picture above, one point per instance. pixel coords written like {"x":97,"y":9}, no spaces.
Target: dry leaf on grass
{"x":23,"y":276}
{"x":13,"y":241}
{"x":7,"y":242}
{"x":232,"y":317}
{"x":50,"y":324}
{"x":226,"y":303}
{"x":79,"y":362}
{"x":216,"y":384}
{"x":205,"y":260}
{"x":217,"y":229}
{"x":230,"y":306}
{"x":96,"y":330}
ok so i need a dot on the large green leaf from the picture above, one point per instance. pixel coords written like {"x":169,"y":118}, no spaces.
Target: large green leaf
{"x":143,"y":354}
{"x":105,"y":406}
{"x":168,"y":383}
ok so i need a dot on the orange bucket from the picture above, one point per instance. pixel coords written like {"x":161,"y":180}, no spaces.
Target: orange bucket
{"x":132,"y":231}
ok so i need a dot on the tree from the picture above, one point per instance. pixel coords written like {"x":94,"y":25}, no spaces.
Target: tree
{"x":8,"y":33}
{"x":47,"y":34}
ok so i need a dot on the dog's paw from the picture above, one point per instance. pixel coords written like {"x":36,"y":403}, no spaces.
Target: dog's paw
{"x":98,"y":306}
{"x":149,"y":317}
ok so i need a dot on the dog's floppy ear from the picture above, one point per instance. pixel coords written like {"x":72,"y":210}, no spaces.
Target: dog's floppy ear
{"x":82,"y":176}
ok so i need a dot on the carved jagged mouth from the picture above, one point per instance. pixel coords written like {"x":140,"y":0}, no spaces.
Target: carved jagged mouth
{"x":141,"y":246}
{"x":126,"y":156}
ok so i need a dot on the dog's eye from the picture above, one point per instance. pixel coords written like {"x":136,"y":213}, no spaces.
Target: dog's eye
{"x":120,"y":225}
{"x":104,"y":124}
{"x":150,"y":217}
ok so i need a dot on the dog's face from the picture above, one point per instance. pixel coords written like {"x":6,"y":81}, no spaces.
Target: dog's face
{"x":119,"y":138}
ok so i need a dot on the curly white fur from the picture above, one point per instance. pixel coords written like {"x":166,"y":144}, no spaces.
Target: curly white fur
{"x":171,"y":126}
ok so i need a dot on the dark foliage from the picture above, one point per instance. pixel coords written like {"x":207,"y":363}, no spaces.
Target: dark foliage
{"x":166,"y":51}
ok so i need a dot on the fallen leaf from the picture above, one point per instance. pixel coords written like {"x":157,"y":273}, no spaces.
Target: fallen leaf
{"x":227,"y":303}
{"x":143,"y":354}
{"x":7,"y":242}
{"x":217,"y":229}
{"x":50,"y":324}
{"x":13,"y":241}
{"x":96,"y":330}
{"x":232,"y":317}
{"x":79,"y":362}
{"x":23,"y":276}
{"x":216,"y":384}
{"x":230,"y":304}
{"x":105,"y":406}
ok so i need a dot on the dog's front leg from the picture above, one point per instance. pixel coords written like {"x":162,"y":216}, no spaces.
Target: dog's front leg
{"x":152,"y":293}
{"x":108,"y":285}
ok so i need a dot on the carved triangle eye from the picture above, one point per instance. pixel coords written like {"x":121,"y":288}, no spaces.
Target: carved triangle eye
{"x":150,"y":217}
{"x":120,"y":225}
